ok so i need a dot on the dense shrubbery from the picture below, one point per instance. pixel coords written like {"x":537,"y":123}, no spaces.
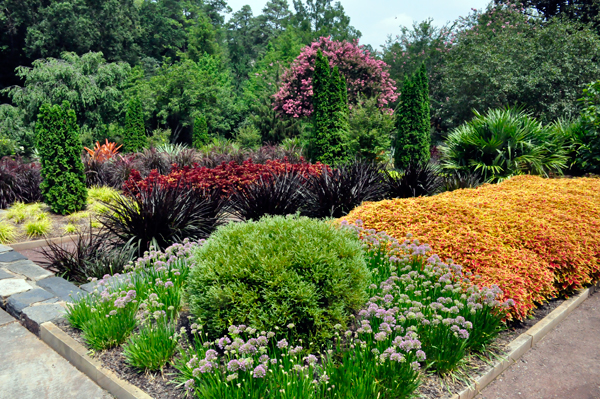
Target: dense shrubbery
{"x":504,"y":143}
{"x":19,"y":181}
{"x":535,"y":238}
{"x":225,"y":178}
{"x":587,"y":141}
{"x":57,"y":140}
{"x":279,"y":271}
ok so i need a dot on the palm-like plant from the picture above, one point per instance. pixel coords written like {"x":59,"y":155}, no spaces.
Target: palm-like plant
{"x":504,"y":143}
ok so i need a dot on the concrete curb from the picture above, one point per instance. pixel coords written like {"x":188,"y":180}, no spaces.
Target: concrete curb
{"x":76,"y":354}
{"x":520,"y":345}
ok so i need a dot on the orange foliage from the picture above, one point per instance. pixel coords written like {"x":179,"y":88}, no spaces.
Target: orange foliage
{"x":535,"y":238}
{"x":104,"y":152}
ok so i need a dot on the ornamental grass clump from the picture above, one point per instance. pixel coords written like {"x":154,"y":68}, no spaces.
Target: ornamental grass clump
{"x":278,"y":270}
{"x":535,"y":238}
{"x":107,"y":316}
{"x":155,"y":342}
{"x":112,"y":319}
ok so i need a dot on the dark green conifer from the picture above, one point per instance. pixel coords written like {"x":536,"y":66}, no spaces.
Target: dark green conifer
{"x":412,"y":122}
{"x":57,"y":141}
{"x":134,"y":136}
{"x":327,"y":143}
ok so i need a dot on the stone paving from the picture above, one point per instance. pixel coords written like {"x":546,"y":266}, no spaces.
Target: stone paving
{"x":29,"y":369}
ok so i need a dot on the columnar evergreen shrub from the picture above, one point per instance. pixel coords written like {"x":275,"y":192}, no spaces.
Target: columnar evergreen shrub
{"x":412,"y":122}
{"x":134,"y":136}
{"x":200,"y":133}
{"x":276,"y":272}
{"x":328,"y":143}
{"x":57,"y":140}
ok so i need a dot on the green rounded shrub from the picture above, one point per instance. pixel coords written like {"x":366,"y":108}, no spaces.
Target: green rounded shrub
{"x":278,"y":271}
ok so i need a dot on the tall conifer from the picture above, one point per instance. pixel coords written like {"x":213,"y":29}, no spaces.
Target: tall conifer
{"x":412,"y":122}
{"x":327,"y":143}
{"x":134,"y":137}
{"x":57,"y":141}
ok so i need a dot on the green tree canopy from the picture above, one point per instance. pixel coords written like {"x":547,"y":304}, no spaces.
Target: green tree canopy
{"x":179,"y":91}
{"x":93,"y":87}
{"x":502,"y":57}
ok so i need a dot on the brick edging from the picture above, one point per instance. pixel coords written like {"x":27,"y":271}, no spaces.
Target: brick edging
{"x":520,"y":345}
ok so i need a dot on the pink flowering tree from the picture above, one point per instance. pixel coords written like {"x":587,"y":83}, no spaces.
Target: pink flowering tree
{"x":365,"y":76}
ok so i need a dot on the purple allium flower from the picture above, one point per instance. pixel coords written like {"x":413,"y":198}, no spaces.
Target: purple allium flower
{"x":421,"y":355}
{"x":311,"y":360}
{"x":189,"y":385}
{"x":263,"y":359}
{"x":282,"y":344}
{"x":415,"y":366}
{"x":210,"y":355}
{"x":259,"y":372}
{"x":233,"y":365}
{"x":397,"y":357}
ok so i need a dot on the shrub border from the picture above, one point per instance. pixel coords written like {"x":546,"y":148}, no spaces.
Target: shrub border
{"x":78,"y":356}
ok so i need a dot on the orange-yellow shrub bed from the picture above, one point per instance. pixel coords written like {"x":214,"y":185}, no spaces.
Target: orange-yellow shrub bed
{"x":533,"y":237}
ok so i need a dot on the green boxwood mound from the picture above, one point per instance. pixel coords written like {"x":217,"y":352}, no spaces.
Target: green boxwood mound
{"x":279,"y":271}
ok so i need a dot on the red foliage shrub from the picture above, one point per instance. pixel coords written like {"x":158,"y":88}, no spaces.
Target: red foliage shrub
{"x":224,"y":178}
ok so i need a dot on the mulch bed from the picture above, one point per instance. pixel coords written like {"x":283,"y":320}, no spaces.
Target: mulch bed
{"x":159,"y":384}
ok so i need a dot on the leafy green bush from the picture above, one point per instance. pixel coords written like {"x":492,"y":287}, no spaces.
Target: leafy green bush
{"x":370,"y":130}
{"x":588,"y":145}
{"x":504,"y":143}
{"x":278,"y":271}
{"x":200,"y":135}
{"x":248,"y":136}
{"x":57,"y":140}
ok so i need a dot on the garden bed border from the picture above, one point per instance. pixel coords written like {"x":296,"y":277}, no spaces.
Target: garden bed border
{"x":25,"y":245}
{"x":520,"y":345}
{"x":78,"y":356}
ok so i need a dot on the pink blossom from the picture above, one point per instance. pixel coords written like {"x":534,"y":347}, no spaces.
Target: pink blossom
{"x":364,"y":75}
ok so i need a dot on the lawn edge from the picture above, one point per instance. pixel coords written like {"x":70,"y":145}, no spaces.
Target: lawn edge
{"x":520,"y":345}
{"x":77,"y":355}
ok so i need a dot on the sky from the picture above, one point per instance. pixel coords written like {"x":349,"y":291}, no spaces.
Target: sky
{"x":376,"y":19}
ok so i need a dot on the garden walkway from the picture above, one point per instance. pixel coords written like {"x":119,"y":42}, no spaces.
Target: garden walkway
{"x":29,"y":369}
{"x":565,"y":364}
